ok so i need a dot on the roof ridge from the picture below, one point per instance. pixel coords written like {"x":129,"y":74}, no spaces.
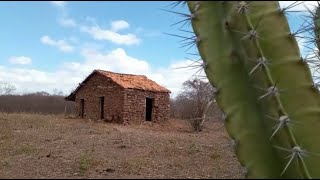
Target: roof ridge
{"x":100,"y":70}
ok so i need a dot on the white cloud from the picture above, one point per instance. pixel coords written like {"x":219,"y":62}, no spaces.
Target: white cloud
{"x":67,"y":22}
{"x":32,"y":80}
{"x":175,"y":74}
{"x":63,"y":19}
{"x":68,"y":75}
{"x":119,"y":25}
{"x":60,"y":44}
{"x":301,"y":43}
{"x":298,"y":5}
{"x":116,"y":60}
{"x":20,"y":60}
{"x":111,"y":34}
{"x":58,"y":3}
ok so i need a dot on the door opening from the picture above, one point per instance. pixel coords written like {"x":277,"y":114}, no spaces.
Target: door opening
{"x":101,"y":99}
{"x":81,"y":108}
{"x":149,"y":104}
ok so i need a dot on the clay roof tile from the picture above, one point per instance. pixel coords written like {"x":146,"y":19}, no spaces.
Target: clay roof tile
{"x":131,"y":81}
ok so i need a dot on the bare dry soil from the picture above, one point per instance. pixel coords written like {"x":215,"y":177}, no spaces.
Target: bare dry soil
{"x":44,"y":146}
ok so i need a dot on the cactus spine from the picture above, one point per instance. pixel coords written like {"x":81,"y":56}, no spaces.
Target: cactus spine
{"x":316,"y":23}
{"x":264,"y":86}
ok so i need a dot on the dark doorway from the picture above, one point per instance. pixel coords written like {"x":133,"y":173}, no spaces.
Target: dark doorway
{"x":149,"y":104}
{"x":81,"y":108}
{"x":101,"y":107}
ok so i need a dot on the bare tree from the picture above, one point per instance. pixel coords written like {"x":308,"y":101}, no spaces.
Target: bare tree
{"x":6,"y":88}
{"x":200,"y":93}
{"x":193,"y":102}
{"x":57,"y":92}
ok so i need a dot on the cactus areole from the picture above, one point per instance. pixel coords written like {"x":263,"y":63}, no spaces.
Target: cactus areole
{"x":264,"y":87}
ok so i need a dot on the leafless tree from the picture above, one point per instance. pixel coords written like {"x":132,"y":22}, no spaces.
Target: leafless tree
{"x":200,"y":93}
{"x":57,"y":92}
{"x":193,"y":102}
{"x":6,"y":88}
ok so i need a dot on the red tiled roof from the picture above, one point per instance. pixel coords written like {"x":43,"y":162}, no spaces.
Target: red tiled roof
{"x":127,"y":81}
{"x":131,"y":81}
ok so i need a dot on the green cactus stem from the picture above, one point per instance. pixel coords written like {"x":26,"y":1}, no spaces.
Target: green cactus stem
{"x":264,"y":86}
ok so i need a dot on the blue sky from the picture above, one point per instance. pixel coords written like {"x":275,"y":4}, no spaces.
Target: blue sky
{"x":55,"y":45}
{"x":29,"y":21}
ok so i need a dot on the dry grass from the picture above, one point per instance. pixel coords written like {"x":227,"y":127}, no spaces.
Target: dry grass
{"x":39,"y":146}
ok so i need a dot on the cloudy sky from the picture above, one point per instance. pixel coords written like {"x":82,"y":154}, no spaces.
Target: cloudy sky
{"x":55,"y":45}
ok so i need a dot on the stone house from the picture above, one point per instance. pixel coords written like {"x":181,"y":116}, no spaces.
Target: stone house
{"x":121,"y":98}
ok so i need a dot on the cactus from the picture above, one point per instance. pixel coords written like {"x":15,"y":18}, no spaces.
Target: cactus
{"x":264,"y":86}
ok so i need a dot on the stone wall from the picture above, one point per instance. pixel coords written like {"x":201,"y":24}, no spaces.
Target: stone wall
{"x":135,"y":106}
{"x":120,"y":105}
{"x":98,"y":86}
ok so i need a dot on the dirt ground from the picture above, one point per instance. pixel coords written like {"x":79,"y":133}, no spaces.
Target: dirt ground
{"x":43,"y":146}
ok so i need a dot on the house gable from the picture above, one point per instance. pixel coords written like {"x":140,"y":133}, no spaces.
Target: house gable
{"x":99,"y":80}
{"x":126,"y":81}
